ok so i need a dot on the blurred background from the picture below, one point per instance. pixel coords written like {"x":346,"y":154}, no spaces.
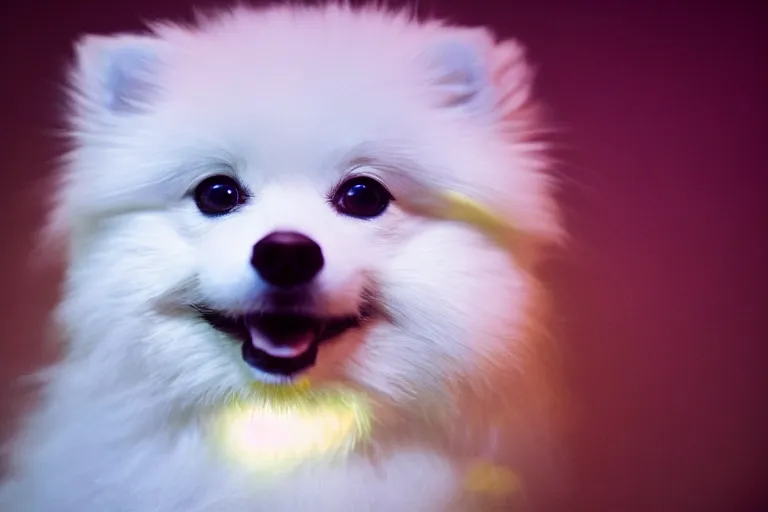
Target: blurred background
{"x":663,"y":107}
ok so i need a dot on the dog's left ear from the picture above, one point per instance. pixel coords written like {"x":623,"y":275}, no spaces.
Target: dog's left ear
{"x":117,"y":75}
{"x":469,"y":70}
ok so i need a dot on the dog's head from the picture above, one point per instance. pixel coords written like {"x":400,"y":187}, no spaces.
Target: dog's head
{"x":229,"y":218}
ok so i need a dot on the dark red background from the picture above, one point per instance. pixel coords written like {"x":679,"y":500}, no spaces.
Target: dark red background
{"x":664,"y":111}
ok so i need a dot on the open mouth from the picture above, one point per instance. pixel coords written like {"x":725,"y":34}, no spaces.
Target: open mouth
{"x":281,"y":344}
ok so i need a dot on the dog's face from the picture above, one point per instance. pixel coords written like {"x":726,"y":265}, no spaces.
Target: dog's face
{"x":229,"y":215}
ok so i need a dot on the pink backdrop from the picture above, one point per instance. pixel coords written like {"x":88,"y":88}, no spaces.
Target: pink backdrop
{"x":664,"y":110}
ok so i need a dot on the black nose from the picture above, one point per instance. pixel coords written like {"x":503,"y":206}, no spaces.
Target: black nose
{"x":286,"y":259}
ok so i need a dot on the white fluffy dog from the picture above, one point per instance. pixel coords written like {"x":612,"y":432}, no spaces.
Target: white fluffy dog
{"x":227,"y":218}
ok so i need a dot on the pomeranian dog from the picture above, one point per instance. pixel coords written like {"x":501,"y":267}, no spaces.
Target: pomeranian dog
{"x":226,"y":218}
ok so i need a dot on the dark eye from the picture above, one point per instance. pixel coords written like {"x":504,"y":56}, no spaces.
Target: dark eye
{"x":362,"y":197}
{"x":218,"y":195}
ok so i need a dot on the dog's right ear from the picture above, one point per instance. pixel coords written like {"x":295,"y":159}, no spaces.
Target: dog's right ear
{"x":117,"y":75}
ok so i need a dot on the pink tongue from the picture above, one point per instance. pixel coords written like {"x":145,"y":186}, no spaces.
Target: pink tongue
{"x":284,"y":337}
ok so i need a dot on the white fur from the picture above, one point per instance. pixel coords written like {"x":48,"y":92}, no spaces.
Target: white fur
{"x":292,"y":100}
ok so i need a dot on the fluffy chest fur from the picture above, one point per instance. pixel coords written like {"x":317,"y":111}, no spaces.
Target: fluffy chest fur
{"x":97,"y":459}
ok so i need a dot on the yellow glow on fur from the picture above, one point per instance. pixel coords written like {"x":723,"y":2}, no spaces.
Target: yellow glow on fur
{"x":487,"y":478}
{"x":422,"y":199}
{"x":279,"y":427}
{"x":461,"y":208}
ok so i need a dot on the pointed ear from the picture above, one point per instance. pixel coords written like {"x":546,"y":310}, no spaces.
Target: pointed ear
{"x":472,"y":72}
{"x":117,"y":74}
